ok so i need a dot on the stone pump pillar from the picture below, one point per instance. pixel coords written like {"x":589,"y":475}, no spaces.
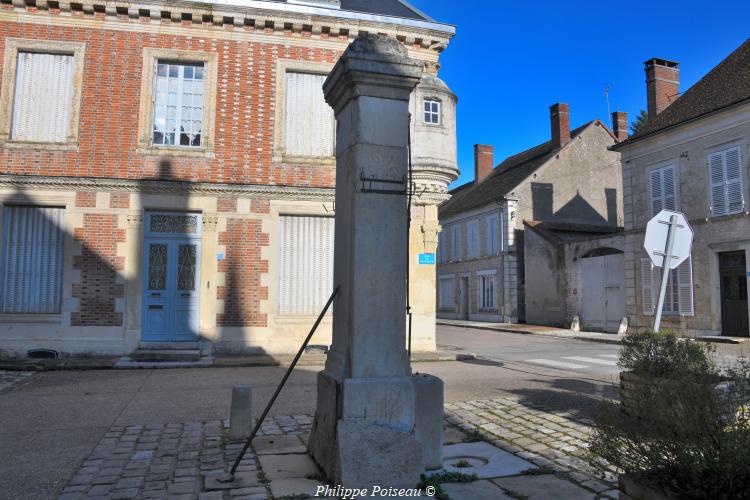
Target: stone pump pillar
{"x":364,"y":429}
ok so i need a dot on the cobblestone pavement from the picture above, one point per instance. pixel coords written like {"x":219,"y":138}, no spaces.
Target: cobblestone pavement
{"x":168,"y":461}
{"x":549,"y":439}
{"x":10,"y":378}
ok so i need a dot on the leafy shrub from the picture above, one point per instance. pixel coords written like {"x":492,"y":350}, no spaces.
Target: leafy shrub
{"x":663,"y":354}
{"x":683,"y":431}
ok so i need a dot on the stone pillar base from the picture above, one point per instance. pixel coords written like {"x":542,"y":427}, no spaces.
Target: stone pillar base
{"x":363,"y":433}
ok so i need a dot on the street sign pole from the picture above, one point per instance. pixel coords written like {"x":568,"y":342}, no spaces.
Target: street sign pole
{"x":665,"y":270}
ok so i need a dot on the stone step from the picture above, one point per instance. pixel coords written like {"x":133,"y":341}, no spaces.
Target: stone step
{"x":166,"y":355}
{"x":163,"y":346}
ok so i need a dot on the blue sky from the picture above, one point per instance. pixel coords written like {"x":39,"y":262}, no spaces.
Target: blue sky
{"x":510,"y":60}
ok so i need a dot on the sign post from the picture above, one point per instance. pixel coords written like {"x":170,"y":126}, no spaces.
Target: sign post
{"x":668,"y":241}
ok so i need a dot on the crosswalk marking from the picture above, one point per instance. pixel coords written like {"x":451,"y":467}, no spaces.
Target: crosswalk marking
{"x":609,"y":355}
{"x":596,"y":361}
{"x":559,"y":364}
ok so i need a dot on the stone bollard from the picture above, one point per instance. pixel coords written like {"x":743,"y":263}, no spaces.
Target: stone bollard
{"x":429,"y":419}
{"x":241,"y":414}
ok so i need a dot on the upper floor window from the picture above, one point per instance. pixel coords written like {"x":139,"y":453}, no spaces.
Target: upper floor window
{"x":41,"y":85}
{"x":472,"y":229}
{"x":441,"y":248}
{"x":456,"y":242}
{"x":662,"y":188}
{"x":309,"y":120}
{"x":492,"y":235}
{"x":727,"y":193}
{"x":178,"y":104}
{"x":432,"y":111}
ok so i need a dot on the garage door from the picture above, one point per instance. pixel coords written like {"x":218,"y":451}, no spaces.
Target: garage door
{"x":603,"y":293}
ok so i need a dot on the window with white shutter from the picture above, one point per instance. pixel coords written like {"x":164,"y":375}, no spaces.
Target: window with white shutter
{"x":725,"y":173}
{"x":456,"y":243}
{"x":306,"y":264}
{"x":441,"y":248}
{"x":43,"y":97}
{"x":309,"y":120}
{"x":492,"y":235}
{"x":472,"y":230}
{"x":33,"y":239}
{"x":445,"y":291}
{"x":678,"y":298}
{"x":486,"y":289}
{"x":663,"y":189}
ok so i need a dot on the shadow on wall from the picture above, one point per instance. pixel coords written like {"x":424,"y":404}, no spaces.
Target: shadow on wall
{"x":576,"y":210}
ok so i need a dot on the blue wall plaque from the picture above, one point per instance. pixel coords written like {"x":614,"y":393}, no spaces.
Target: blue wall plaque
{"x":427,"y":258}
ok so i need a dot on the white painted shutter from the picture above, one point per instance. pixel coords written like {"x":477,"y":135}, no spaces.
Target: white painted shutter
{"x":309,"y":119}
{"x":733,"y":172}
{"x":33,"y":247}
{"x":446,"y":293}
{"x":685,"y":287}
{"x":456,"y":243}
{"x":648,"y":292}
{"x":43,"y":97}
{"x":306,"y":262}
{"x":473,"y":243}
{"x":662,"y":182}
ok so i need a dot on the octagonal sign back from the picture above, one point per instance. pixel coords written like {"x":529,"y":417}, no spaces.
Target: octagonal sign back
{"x":656,"y":239}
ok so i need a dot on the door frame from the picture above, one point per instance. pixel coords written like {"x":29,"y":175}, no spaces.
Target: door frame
{"x":192,"y":235}
{"x":741,"y":272}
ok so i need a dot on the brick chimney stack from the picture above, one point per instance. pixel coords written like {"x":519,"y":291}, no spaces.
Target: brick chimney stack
{"x":620,"y":125}
{"x":484,"y":161}
{"x":559,"y":115}
{"x":662,"y":84}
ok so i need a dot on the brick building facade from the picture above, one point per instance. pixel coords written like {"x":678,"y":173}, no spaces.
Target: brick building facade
{"x":153,"y":159}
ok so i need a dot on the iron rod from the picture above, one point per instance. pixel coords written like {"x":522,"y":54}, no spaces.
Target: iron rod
{"x":281,"y":384}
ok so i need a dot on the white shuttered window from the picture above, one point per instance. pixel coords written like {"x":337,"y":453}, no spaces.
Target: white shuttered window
{"x":472,"y":229}
{"x":456,"y":243}
{"x":486,"y":290}
{"x":446,"y":293}
{"x":33,"y":255}
{"x":309,"y":119}
{"x":662,"y":184}
{"x":306,"y":276}
{"x":492,"y":235}
{"x":43,"y":97}
{"x":679,"y":295}
{"x":727,"y":194}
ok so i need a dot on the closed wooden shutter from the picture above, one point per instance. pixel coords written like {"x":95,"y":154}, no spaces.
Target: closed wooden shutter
{"x":33,"y":254}
{"x":473,"y":236}
{"x":684,"y":274}
{"x":725,"y":172}
{"x":306,"y":261}
{"x":309,"y":119}
{"x":648,"y":293}
{"x":446,"y":293}
{"x":43,"y":97}
{"x":663,"y":189}
{"x":456,"y":243}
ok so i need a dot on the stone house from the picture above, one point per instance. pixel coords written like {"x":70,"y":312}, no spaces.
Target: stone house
{"x":167,"y":170}
{"x":569,"y":183}
{"x":692,"y":156}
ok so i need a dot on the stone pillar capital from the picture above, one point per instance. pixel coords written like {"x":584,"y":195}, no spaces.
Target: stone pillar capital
{"x":375,"y":66}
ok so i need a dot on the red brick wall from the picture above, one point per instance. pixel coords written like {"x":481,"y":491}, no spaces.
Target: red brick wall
{"x":245,"y":105}
{"x":242,"y":268}
{"x":99,"y":265}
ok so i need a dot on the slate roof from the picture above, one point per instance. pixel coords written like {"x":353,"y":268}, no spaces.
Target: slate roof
{"x":725,"y":85}
{"x":384,"y":7}
{"x":504,"y":179}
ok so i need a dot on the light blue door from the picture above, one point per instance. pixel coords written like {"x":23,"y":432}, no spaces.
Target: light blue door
{"x":170,"y":286}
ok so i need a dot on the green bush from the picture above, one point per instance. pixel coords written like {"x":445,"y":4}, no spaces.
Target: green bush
{"x":663,"y":354}
{"x":683,"y":431}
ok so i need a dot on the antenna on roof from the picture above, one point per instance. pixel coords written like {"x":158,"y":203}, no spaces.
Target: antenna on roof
{"x":607,"y":88}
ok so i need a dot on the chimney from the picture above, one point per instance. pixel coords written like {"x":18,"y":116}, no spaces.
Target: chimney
{"x":620,"y":125}
{"x":484,"y":161}
{"x":559,"y":116}
{"x":662,"y":84}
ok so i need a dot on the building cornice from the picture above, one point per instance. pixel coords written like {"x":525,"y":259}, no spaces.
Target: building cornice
{"x":279,"y":21}
{"x":27,"y":183}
